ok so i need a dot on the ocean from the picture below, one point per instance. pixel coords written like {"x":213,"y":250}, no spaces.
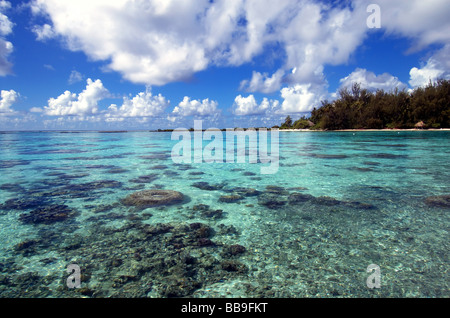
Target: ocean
{"x":344,"y":214}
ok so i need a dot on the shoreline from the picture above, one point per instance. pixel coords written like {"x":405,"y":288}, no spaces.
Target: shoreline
{"x":244,"y":129}
{"x":362,"y":130}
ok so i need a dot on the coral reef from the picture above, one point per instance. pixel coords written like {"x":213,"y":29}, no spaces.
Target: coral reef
{"x":438,"y":201}
{"x":153,"y":198}
{"x":48,"y":214}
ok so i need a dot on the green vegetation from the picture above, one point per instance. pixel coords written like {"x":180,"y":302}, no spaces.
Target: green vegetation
{"x":425,"y":107}
{"x":302,"y":123}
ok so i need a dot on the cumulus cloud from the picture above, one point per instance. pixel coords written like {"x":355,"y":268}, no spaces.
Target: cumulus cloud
{"x":298,"y":98}
{"x":8,"y":98}
{"x":301,"y":98}
{"x":75,"y":77}
{"x":36,"y":110}
{"x":149,"y":42}
{"x":155,"y":42}
{"x":263,"y":83}
{"x":246,"y":106}
{"x":188,"y":107}
{"x":44,"y":32}
{"x":6,"y":47}
{"x":85,"y":106}
{"x":142,"y":105}
{"x":85,"y":103}
{"x":426,"y":22}
{"x":159,"y":42}
{"x":5,"y":24}
{"x":371,"y":81}
{"x":436,"y":67}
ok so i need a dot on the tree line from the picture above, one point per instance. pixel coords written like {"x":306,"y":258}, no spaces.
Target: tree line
{"x":358,"y":108}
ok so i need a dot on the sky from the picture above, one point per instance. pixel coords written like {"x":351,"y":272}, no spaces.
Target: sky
{"x":157,"y":64}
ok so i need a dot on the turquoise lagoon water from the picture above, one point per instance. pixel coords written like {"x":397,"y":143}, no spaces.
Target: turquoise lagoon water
{"x":339,"y":202}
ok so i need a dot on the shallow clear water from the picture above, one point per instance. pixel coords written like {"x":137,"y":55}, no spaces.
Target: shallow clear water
{"x":339,"y":202}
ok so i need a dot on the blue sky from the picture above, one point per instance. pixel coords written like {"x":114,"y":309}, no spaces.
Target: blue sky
{"x":124,"y":64}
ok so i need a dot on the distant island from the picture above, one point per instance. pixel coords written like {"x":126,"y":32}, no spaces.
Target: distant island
{"x":360,"y":109}
{"x":423,"y":108}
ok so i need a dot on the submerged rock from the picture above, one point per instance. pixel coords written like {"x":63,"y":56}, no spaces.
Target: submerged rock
{"x":206,"y":186}
{"x":234,"y":266}
{"x":295,"y":198}
{"x":200,"y":230}
{"x":159,"y":167}
{"x":152,"y":198}
{"x":386,"y":156}
{"x":27,"y":246}
{"x":247,"y":192}
{"x":327,"y":156}
{"x":271,"y":201}
{"x":234,"y":250}
{"x":213,"y":214}
{"x":12,"y":187}
{"x":207,"y":212}
{"x":439,"y":201}
{"x":48,"y":214}
{"x":157,"y":229}
{"x":83,"y":190}
{"x":180,"y":287}
{"x":325,"y":200}
{"x":145,"y":179}
{"x":360,"y":205}
{"x":232,"y":198}
{"x":196,"y":173}
{"x":117,"y":171}
{"x":200,"y":207}
{"x":12,"y":163}
{"x":23,"y":203}
{"x":276,"y":190}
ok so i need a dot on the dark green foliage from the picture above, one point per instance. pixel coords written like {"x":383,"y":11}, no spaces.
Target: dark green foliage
{"x":287,"y":123}
{"x":302,"y":123}
{"x":362,"y":109}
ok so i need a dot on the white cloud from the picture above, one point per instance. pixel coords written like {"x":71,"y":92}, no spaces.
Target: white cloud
{"x":4,"y":4}
{"x":75,"y":77}
{"x":8,"y":98}
{"x":36,"y":110}
{"x":149,"y":42}
{"x":322,"y":35}
{"x":44,"y":32}
{"x":436,"y":67}
{"x":188,"y":107}
{"x":157,"y":42}
{"x":49,"y":67}
{"x":301,"y":98}
{"x":371,"y":81}
{"x":6,"y":25}
{"x":263,"y":83}
{"x":426,"y":22}
{"x":422,"y":77}
{"x":142,"y":105}
{"x":298,"y":98}
{"x":246,"y":106}
{"x":85,"y":103}
{"x":85,"y":106}
{"x":6,"y":47}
